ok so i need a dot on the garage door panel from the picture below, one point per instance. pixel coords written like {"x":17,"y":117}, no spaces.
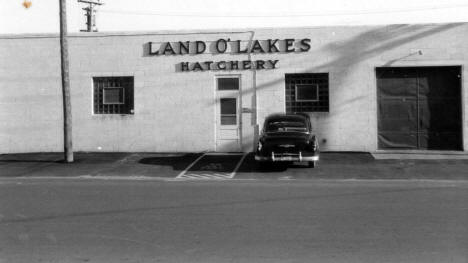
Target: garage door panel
{"x":398,"y":88}
{"x":397,"y":83}
{"x":436,"y":83}
{"x":420,"y":108}
{"x":393,"y":140}
{"x":440,"y":140}
{"x":398,"y":115}
{"x":439,"y":115}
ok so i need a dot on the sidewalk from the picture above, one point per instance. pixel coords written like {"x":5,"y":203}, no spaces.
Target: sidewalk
{"x":160,"y":165}
{"x":95,"y":164}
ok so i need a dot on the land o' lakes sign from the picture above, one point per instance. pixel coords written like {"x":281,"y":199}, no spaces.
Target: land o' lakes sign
{"x":229,"y":46}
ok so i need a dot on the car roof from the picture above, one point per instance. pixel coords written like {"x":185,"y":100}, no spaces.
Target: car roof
{"x":292,"y":116}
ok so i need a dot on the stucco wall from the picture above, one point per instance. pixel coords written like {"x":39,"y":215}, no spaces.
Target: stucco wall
{"x":174,"y":111}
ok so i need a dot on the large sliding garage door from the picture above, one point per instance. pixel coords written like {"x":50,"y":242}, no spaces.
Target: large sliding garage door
{"x":419,"y":108}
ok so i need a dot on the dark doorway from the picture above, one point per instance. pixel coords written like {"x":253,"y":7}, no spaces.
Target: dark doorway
{"x":419,"y":108}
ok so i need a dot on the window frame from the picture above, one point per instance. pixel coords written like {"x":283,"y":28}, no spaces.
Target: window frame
{"x":104,"y":97}
{"x":102,"y":82}
{"x":221,"y":115}
{"x":300,"y":100}
{"x":227,"y":77}
{"x":293,"y":104}
{"x":227,"y":93}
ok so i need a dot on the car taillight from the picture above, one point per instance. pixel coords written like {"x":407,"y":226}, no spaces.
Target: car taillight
{"x":313,"y":144}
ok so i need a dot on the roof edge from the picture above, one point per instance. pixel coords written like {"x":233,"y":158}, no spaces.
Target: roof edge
{"x":201,"y":31}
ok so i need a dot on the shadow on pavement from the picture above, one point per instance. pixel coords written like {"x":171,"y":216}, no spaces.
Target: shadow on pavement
{"x":178,"y":162}
{"x":31,"y":158}
{"x":332,"y":165}
{"x":95,"y":164}
{"x":216,"y":163}
{"x":356,"y":165}
{"x":251,"y":166}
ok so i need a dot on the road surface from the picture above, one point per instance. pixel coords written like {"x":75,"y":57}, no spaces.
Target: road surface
{"x":95,"y":220}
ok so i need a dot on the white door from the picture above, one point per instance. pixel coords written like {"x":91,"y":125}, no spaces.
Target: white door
{"x":228,"y":114}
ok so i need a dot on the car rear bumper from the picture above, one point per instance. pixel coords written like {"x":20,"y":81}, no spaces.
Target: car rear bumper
{"x":287,"y":158}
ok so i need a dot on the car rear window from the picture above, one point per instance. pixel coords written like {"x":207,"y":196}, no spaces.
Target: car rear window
{"x":285,"y":125}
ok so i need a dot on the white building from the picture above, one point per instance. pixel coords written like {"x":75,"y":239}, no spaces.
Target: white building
{"x":366,"y":88}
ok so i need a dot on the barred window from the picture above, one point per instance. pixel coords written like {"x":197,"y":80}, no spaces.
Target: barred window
{"x":113,"y":95}
{"x":307,"y":92}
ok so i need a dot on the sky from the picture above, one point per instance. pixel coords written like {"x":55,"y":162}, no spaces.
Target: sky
{"x":154,"y":15}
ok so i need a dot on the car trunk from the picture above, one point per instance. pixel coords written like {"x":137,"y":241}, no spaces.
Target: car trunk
{"x":285,"y":142}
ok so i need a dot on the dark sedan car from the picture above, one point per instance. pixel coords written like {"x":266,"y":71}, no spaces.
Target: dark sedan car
{"x":287,"y":138}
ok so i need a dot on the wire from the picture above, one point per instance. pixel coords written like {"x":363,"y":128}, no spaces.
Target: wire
{"x":362,"y":12}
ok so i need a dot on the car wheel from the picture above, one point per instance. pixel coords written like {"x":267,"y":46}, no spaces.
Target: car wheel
{"x":312,"y":164}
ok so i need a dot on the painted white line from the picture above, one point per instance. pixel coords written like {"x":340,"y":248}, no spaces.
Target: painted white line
{"x":215,"y":175}
{"x":237,"y":166}
{"x":221,"y":153}
{"x":222,"y":176}
{"x":190,"y":166}
{"x":206,"y":176}
{"x":196,"y":176}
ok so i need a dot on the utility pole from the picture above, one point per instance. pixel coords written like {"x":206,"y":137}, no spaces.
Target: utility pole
{"x":67,"y":115}
{"x":90,"y":14}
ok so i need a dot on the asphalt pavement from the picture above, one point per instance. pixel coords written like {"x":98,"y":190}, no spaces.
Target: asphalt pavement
{"x":206,"y":166}
{"x":114,"y":220}
{"x":204,"y":207}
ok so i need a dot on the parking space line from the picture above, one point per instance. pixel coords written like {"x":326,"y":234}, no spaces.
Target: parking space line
{"x":205,"y":176}
{"x":238,"y":165}
{"x":190,"y":166}
{"x":187,"y":174}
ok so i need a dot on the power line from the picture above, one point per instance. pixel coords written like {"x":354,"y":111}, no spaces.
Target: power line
{"x":361,"y":12}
